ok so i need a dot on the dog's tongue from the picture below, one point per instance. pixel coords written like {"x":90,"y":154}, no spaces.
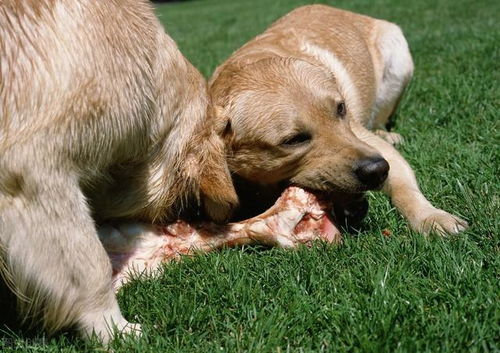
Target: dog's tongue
{"x":297,"y":217}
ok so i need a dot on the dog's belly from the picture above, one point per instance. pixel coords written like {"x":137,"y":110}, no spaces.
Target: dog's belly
{"x":297,"y":217}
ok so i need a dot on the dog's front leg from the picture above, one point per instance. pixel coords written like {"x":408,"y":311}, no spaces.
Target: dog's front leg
{"x":52,"y":257}
{"x":402,"y":187}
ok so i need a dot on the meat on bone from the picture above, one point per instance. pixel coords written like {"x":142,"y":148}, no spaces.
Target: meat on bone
{"x":297,"y":217}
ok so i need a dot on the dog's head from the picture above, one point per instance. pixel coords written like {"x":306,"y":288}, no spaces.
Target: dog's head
{"x":287,"y":121}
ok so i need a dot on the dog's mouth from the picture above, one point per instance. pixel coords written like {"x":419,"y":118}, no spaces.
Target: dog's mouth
{"x":301,"y":215}
{"x":257,"y":199}
{"x":296,"y":215}
{"x":345,"y":209}
{"x":274,"y":202}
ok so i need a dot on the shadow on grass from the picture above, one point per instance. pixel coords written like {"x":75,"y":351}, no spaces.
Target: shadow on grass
{"x":15,"y":335}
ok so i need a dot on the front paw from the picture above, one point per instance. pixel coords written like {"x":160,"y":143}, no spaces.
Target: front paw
{"x":440,"y":222}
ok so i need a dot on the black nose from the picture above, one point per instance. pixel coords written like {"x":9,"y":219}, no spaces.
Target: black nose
{"x":372,"y":172}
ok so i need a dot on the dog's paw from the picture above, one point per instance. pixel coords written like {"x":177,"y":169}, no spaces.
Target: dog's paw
{"x":107,"y":326}
{"x":392,"y":137}
{"x":440,"y":222}
{"x":117,"y":330}
{"x":131,"y":329}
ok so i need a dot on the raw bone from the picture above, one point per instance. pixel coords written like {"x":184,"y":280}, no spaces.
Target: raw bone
{"x":297,"y":217}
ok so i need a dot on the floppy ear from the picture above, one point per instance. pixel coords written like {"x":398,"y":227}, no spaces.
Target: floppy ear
{"x":216,"y":186}
{"x":217,"y":192}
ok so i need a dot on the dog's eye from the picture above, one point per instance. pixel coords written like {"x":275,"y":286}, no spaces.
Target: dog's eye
{"x":341,"y":109}
{"x":296,"y":140}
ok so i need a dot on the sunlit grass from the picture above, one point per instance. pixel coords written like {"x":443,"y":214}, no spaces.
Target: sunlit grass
{"x":402,"y":293}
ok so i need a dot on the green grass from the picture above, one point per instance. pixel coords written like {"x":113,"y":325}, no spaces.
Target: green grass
{"x":403,"y":293}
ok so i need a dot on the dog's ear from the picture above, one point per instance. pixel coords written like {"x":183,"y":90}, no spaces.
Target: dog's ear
{"x":217,"y":190}
{"x":226,"y":128}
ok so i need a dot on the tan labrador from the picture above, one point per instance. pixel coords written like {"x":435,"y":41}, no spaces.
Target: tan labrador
{"x":101,"y":117}
{"x":300,"y":101}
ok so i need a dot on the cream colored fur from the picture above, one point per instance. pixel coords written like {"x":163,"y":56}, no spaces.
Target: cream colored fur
{"x":291,"y":79}
{"x":101,"y":117}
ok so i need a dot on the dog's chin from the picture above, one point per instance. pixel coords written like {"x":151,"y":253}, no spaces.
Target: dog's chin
{"x":350,"y":210}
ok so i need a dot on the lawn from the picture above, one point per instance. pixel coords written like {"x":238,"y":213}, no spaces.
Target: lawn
{"x":375,"y":293}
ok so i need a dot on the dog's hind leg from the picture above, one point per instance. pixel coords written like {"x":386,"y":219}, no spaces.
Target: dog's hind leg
{"x":52,"y":257}
{"x":401,"y":185}
{"x":394,"y":69}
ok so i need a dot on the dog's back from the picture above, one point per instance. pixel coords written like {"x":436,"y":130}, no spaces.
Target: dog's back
{"x":68,"y":65}
{"x":346,"y":43}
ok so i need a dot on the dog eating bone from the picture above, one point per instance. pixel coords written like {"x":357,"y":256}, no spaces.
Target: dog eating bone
{"x":297,"y":217}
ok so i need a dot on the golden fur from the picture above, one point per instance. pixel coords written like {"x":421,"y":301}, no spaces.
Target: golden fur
{"x":300,"y":100}
{"x":101,"y":118}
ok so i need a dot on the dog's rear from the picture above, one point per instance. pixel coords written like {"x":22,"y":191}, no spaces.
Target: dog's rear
{"x":101,"y":116}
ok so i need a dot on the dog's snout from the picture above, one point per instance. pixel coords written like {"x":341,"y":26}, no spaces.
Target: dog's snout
{"x":372,"y":171}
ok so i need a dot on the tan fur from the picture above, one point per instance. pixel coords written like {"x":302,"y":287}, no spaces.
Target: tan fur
{"x":293,"y":78}
{"x":101,"y":117}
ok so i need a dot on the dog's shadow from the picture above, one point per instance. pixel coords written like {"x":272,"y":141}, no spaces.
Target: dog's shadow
{"x":8,"y":304}
{"x":14,"y":334}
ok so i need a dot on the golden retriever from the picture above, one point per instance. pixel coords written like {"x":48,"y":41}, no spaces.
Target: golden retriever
{"x":300,"y":100}
{"x":101,"y":118}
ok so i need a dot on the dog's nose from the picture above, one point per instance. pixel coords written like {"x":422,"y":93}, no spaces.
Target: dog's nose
{"x":372,"y":172}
